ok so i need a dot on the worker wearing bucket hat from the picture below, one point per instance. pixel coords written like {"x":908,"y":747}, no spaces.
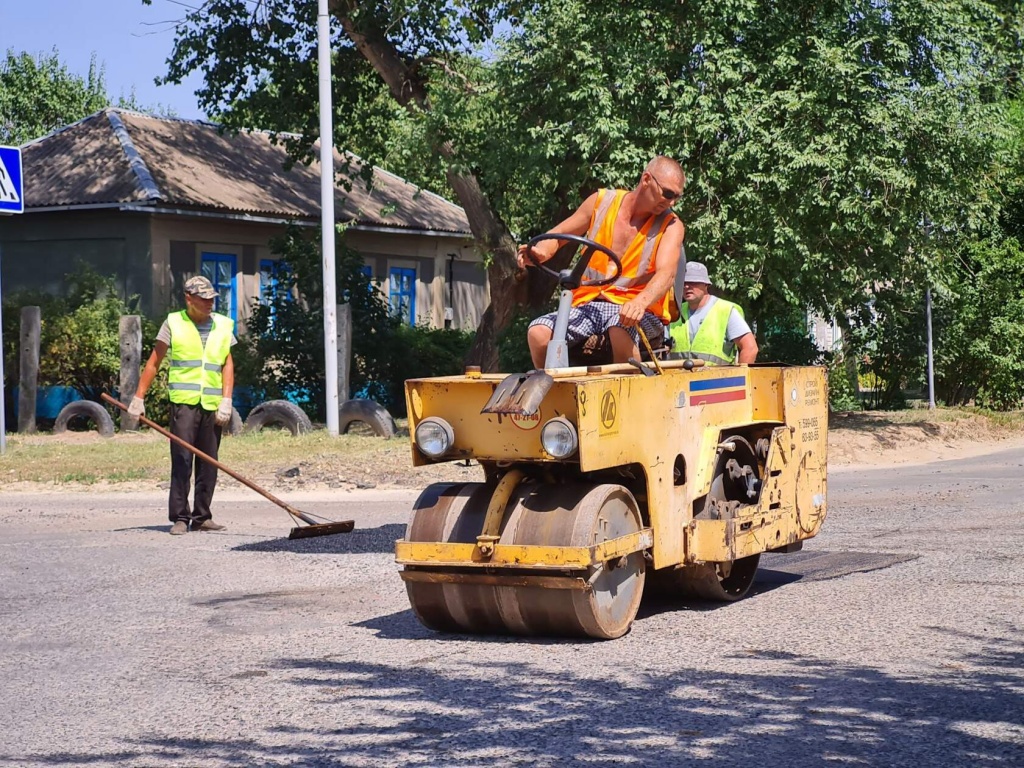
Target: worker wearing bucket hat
{"x":200,"y":380}
{"x":709,"y":328}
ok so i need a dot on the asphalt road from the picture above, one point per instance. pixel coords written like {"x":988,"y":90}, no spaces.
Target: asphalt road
{"x":893,"y":639}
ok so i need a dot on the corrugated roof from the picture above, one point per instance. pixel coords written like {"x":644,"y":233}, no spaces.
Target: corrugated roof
{"x":119,"y":156}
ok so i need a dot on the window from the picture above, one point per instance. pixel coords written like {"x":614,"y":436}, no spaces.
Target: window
{"x":219,"y":269}
{"x":273,"y":280}
{"x":273,"y":284}
{"x":402,"y":293}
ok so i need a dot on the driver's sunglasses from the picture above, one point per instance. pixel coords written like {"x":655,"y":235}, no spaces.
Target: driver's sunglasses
{"x":668,"y":194}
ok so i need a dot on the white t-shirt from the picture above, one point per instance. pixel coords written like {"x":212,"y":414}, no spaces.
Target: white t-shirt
{"x":164,"y":333}
{"x":736,"y":328}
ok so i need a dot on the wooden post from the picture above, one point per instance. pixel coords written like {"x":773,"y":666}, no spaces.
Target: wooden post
{"x":31,"y":322}
{"x":344,"y":350}
{"x":130,"y":333}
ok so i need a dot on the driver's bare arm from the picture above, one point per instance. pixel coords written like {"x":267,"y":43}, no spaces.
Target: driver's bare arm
{"x":664,"y":276}
{"x":576,"y":224}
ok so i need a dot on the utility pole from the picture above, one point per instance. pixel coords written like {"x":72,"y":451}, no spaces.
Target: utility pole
{"x":931,"y":360}
{"x":323,"y":28}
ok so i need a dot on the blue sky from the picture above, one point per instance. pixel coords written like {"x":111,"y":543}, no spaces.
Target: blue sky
{"x":130,"y":39}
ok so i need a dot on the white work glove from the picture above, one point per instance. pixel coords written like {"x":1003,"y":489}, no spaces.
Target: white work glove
{"x":137,"y":407}
{"x":223,"y":412}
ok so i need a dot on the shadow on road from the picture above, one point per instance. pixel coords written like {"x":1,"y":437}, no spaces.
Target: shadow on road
{"x":772,"y":709}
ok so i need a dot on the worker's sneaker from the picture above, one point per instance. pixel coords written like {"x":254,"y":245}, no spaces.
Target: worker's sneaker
{"x":179,"y":528}
{"x":209,"y":525}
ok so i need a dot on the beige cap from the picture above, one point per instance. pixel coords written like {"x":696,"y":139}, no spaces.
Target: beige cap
{"x":201,"y":287}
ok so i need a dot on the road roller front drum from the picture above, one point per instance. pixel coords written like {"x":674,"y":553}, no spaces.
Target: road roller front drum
{"x":599,"y":602}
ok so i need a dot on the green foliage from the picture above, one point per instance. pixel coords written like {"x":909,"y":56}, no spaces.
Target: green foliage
{"x":818,"y":137}
{"x":891,"y":335}
{"x":420,"y":352}
{"x":39,"y":95}
{"x":980,"y":323}
{"x":79,"y":344}
{"x":283,"y":355}
{"x":842,"y":396}
{"x":782,"y":337}
{"x":285,"y":341}
{"x":513,"y":351}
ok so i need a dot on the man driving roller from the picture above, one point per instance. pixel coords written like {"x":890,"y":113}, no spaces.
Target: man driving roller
{"x":640,"y":227}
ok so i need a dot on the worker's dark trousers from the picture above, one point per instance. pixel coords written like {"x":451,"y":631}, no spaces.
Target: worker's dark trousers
{"x":198,"y":427}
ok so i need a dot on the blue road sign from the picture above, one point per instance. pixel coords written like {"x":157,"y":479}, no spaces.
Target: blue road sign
{"x":12,"y":198}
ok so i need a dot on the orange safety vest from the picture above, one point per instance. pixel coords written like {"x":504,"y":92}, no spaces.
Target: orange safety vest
{"x":638,"y":262}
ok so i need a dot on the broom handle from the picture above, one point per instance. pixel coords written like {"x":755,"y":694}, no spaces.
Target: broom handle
{"x":210,"y":460}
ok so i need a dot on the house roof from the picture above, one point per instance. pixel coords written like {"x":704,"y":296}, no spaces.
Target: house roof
{"x":118,"y":157}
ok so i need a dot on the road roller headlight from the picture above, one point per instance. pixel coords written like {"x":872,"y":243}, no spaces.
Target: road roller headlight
{"x":434,"y":437}
{"x":558,"y":438}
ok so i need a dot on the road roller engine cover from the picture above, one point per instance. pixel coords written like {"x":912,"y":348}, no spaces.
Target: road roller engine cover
{"x":600,"y":481}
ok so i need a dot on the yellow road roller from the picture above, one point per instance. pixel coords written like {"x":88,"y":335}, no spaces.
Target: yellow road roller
{"x":601,"y":479}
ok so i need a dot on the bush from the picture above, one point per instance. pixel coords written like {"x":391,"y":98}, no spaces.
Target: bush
{"x":79,"y":343}
{"x":420,"y":352}
{"x":513,"y":351}
{"x":979,"y":328}
{"x":283,"y":355}
{"x":842,"y":396}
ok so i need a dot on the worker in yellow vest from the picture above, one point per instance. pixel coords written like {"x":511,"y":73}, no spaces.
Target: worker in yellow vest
{"x":199,"y":382}
{"x":709,"y":328}
{"x":640,"y":227}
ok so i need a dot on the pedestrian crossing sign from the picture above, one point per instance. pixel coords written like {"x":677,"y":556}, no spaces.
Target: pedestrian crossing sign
{"x":12,"y":198}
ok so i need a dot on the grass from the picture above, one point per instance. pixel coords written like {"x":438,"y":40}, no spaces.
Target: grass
{"x":86,"y":458}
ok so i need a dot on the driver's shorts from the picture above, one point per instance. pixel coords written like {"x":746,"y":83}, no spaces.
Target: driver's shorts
{"x":596,"y":317}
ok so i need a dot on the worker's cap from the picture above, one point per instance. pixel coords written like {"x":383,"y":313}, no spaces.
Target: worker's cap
{"x":201,"y":287}
{"x":696,"y":273}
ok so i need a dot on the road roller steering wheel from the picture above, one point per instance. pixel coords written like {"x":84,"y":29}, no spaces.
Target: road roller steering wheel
{"x":573,"y":278}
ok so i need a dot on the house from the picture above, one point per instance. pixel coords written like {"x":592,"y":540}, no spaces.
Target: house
{"x":154,"y":201}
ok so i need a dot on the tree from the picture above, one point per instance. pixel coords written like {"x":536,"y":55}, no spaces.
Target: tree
{"x":819,"y":137}
{"x":39,"y":95}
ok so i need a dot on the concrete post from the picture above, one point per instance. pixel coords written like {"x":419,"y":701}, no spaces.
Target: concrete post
{"x":344,"y":351}
{"x":31,"y":323}
{"x":130,"y":334}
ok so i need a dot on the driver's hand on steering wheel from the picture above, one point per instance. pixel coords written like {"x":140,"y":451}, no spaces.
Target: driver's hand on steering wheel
{"x":541,"y":252}
{"x":631,"y":313}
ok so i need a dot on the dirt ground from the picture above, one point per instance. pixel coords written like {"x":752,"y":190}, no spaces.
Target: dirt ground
{"x":871,"y":439}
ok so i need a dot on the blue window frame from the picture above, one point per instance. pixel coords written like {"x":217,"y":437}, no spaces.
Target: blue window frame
{"x":219,"y":269}
{"x":273,"y":273}
{"x":402,"y":293}
{"x":272,"y":284}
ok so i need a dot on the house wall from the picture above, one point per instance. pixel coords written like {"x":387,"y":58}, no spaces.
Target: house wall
{"x":151,"y":255}
{"x":430,"y":257}
{"x":179,"y":243}
{"x":37,"y":250}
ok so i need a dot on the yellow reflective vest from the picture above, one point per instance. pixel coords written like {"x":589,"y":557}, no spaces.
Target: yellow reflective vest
{"x":195,"y":374}
{"x":710,"y":344}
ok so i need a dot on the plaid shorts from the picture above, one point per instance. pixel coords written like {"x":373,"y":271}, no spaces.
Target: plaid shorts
{"x":596,"y":317}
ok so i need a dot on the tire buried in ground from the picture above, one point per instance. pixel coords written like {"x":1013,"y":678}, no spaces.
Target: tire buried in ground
{"x":234,"y":425}
{"x":88,"y":410}
{"x":359,"y":415}
{"x":281,"y":413}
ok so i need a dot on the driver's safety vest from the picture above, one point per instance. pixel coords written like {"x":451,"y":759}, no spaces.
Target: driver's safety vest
{"x":195,"y":374}
{"x":638,"y":262}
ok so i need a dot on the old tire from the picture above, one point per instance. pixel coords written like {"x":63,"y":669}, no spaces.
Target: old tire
{"x":85,"y":409}
{"x":281,"y":413}
{"x":366,"y":412}
{"x":234,"y":426}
